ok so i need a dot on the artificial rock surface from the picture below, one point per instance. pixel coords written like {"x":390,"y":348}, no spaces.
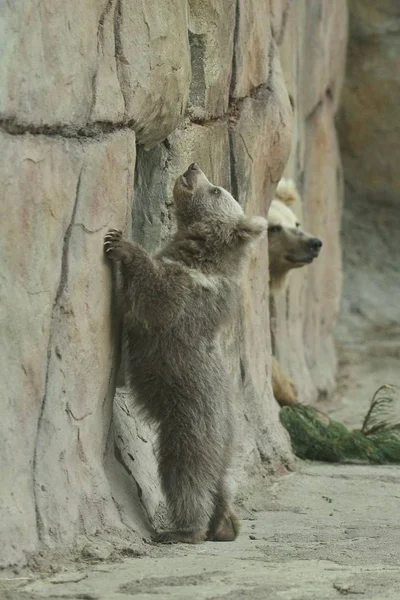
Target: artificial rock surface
{"x":368,"y":331}
{"x":312,"y":52}
{"x":369,"y":140}
{"x":102,"y":105}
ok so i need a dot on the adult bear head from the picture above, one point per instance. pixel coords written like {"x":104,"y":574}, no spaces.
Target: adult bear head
{"x":289,"y":246}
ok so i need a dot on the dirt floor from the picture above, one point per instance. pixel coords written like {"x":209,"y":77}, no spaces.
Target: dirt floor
{"x":330,"y":531}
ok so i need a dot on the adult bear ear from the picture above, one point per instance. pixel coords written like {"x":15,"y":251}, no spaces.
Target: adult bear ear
{"x":250,"y":228}
{"x":286,"y":192}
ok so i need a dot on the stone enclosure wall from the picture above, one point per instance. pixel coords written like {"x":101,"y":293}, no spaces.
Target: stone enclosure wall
{"x":313,"y":50}
{"x":368,"y":124}
{"x":369,"y":139}
{"x":102,"y":104}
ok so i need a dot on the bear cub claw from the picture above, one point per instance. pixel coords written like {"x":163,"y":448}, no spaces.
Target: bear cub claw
{"x":113,"y":244}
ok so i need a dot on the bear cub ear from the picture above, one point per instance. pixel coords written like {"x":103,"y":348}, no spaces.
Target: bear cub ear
{"x":251,"y":228}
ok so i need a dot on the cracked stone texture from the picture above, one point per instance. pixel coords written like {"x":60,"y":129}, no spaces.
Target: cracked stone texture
{"x":112,"y":61}
{"x":322,"y":61}
{"x":154,"y":65}
{"x":57,"y":373}
{"x":253,"y":36}
{"x":82,"y":85}
{"x":211,"y":37}
{"x":312,"y":52}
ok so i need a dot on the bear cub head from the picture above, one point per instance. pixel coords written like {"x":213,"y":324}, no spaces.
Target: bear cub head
{"x":289,"y":246}
{"x":198,"y":200}
{"x":212,"y":227}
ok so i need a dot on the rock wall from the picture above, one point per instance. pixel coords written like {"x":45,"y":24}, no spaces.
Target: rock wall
{"x":102,"y":104}
{"x":370,"y":143}
{"x":369,"y":330}
{"x":313,"y":49}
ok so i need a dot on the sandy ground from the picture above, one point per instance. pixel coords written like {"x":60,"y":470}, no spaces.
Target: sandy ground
{"x":330,"y":531}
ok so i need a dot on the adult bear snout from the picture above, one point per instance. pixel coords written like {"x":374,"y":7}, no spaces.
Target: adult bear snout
{"x":315,"y":244}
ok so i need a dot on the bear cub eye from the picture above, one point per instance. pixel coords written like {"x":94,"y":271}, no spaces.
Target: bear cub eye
{"x":275,"y":229}
{"x":216,"y":191}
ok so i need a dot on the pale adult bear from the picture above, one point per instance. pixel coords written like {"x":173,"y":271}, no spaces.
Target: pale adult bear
{"x":289,"y":247}
{"x":175,"y":305}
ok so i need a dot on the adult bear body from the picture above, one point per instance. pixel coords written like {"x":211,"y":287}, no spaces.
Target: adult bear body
{"x":289,"y":247}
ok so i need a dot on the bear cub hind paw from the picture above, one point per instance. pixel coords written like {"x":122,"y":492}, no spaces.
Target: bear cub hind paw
{"x":227,"y":531}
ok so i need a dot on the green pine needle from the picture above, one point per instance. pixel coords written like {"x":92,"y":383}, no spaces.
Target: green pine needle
{"x":380,"y":411}
{"x":316,"y":437}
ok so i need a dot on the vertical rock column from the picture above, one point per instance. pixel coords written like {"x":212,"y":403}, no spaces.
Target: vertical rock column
{"x":370,"y":144}
{"x":312,"y":43}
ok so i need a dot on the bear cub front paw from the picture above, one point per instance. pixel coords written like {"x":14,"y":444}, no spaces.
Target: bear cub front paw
{"x":114,"y":245}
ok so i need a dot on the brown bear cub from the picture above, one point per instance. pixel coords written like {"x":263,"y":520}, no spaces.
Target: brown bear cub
{"x":175,"y":305}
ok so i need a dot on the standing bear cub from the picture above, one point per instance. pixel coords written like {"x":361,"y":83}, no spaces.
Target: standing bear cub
{"x":175,"y":305}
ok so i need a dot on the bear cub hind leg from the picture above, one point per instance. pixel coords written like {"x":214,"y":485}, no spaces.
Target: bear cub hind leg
{"x":224,"y":525}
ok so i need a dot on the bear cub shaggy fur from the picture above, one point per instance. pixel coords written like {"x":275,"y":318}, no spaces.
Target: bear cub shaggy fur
{"x":289,"y":247}
{"x":174,"y":306}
